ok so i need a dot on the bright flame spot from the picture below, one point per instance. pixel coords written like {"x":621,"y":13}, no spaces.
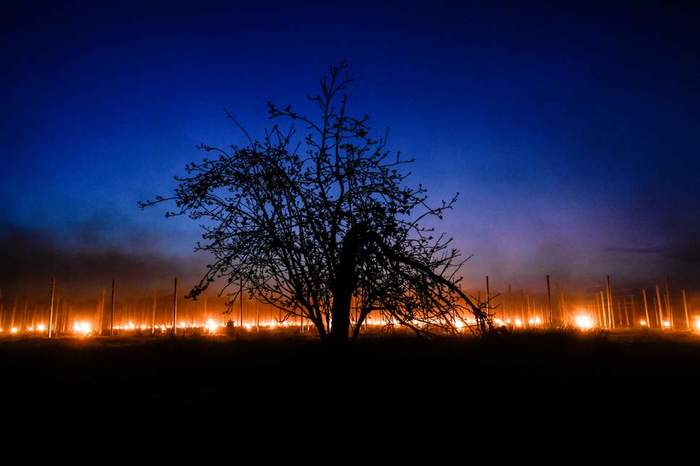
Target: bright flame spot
{"x":130,"y":326}
{"x":583,"y":321}
{"x":248,"y":326}
{"x":534,"y":321}
{"x":41,"y":328}
{"x":696,"y":323}
{"x":211,"y":326}
{"x":666,"y":324}
{"x":82,"y":328}
{"x":518,"y":323}
{"x":643,"y":323}
{"x":13,"y":330}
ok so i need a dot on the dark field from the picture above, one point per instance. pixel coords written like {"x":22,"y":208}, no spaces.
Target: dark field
{"x":522,"y":378}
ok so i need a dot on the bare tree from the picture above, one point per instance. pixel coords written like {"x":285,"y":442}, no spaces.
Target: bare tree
{"x":316,"y":218}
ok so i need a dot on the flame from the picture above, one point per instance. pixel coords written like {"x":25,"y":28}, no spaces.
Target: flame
{"x":211,"y":325}
{"x":584,"y":321}
{"x":696,"y":323}
{"x":534,"y":321}
{"x":82,"y":328}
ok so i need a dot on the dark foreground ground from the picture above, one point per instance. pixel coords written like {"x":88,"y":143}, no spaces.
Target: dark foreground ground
{"x":560,"y":380}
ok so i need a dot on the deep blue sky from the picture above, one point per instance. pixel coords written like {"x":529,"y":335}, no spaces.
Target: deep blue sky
{"x":570,"y":132}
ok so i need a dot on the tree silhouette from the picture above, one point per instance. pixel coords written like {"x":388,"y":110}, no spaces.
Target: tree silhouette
{"x":317,"y":220}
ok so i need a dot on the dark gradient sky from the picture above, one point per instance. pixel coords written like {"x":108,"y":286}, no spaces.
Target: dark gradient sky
{"x":570,"y":132}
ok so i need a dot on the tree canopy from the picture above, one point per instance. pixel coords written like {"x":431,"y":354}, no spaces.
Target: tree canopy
{"x":316,"y":218}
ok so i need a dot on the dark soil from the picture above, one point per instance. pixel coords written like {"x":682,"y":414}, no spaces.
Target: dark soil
{"x":524,"y":379}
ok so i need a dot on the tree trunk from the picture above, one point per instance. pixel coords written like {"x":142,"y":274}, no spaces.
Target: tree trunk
{"x":345,"y":280}
{"x":340,"y":327}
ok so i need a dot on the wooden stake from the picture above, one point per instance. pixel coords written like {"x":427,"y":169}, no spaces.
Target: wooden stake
{"x":488,"y":296}
{"x":669,"y":309}
{"x":101,"y":312}
{"x":646,"y":307}
{"x":685,"y":309}
{"x":175,"y":307}
{"x":111,"y":312}
{"x":661,"y":312}
{"x":608,"y":290}
{"x":549,"y":303}
{"x":153,"y":312}
{"x":14,"y":313}
{"x":241,"y":298}
{"x":53,"y":297}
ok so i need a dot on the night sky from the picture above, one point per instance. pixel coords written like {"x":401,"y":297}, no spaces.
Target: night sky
{"x":570,"y":132}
